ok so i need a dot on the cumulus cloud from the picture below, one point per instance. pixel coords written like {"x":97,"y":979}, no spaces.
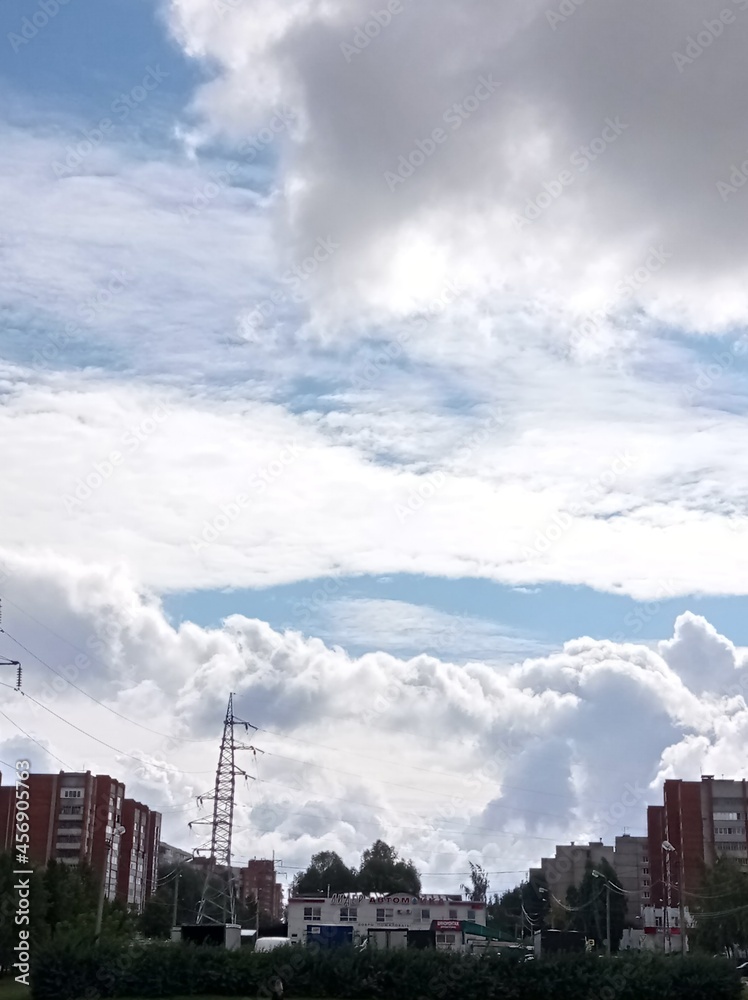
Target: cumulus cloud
{"x":598,"y":120}
{"x":448,"y":761}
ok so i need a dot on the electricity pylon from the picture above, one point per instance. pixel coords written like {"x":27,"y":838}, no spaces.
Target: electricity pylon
{"x":218,"y":902}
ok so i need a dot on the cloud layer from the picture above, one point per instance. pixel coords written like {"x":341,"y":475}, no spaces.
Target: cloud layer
{"x":451,"y":762}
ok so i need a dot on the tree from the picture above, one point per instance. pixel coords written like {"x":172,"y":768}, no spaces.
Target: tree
{"x":504,"y":913}
{"x":721,"y":909}
{"x":479,"y":889}
{"x":327,"y":871}
{"x":588,"y":903}
{"x":187,"y":880}
{"x":382,"y":870}
{"x":10,"y":903}
{"x":72,"y":894}
{"x":536,"y":900}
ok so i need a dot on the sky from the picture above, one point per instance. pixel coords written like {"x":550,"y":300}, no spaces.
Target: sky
{"x":387,"y":367}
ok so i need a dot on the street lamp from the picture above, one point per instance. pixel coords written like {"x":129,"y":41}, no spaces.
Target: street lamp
{"x":668,"y":849}
{"x":116,"y":832}
{"x":598,"y":874}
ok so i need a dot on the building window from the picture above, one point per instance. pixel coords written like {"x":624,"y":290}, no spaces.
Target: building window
{"x":658,"y":921}
{"x":72,"y":793}
{"x":348,"y":914}
{"x":645,"y":881}
{"x":645,"y":894}
{"x":445,"y":939}
{"x":312,"y":913}
{"x":645,"y":871}
{"x":471,"y":915}
{"x":384,"y":915}
{"x":453,"y":914}
{"x":645,"y":860}
{"x":425,"y":914}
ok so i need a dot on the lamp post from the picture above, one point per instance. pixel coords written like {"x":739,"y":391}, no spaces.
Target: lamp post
{"x":598,"y":874}
{"x":668,"y":849}
{"x":116,"y":832}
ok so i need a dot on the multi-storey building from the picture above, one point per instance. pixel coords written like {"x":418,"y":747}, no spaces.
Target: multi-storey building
{"x":634,"y":873}
{"x":258,"y":881}
{"x":700,"y":821}
{"x":568,"y":866}
{"x":138,"y":860}
{"x":75,"y":817}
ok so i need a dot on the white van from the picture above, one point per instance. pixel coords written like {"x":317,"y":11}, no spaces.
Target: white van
{"x":268,"y":943}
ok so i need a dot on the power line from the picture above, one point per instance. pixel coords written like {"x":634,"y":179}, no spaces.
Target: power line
{"x":29,"y":737}
{"x":155,"y":732}
{"x":109,"y":746}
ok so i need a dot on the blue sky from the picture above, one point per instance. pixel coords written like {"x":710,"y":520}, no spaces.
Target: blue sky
{"x":248,"y":386}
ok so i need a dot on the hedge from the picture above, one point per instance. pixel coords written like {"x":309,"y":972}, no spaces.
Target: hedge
{"x":164,"y":970}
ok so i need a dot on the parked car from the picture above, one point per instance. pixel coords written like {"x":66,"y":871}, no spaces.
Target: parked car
{"x":269,"y":943}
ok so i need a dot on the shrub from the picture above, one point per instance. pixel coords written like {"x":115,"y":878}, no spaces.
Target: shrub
{"x":64,"y":972}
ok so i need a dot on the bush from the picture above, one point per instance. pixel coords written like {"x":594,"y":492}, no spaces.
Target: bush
{"x":64,"y":972}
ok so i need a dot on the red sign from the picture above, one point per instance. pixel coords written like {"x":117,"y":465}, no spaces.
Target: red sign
{"x":447,"y":925}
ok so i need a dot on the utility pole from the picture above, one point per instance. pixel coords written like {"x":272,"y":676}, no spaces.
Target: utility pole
{"x":668,"y":848}
{"x":607,"y":917}
{"x":176,"y":898}
{"x":598,"y":874}
{"x":116,"y":832}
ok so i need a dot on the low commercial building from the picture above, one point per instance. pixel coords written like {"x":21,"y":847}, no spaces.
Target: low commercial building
{"x":386,"y":921}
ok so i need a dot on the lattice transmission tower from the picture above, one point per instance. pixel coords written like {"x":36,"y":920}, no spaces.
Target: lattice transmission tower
{"x":218,"y":902}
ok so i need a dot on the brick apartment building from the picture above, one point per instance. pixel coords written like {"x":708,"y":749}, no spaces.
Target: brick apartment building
{"x":73,"y":818}
{"x":702,"y":820}
{"x":258,"y":881}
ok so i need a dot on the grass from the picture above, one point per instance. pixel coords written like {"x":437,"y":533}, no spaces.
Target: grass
{"x":11,"y":990}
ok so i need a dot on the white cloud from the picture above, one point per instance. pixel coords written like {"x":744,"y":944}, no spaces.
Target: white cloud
{"x":398,"y":626}
{"x":651,"y":181}
{"x":229,"y":492}
{"x":439,"y":758}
